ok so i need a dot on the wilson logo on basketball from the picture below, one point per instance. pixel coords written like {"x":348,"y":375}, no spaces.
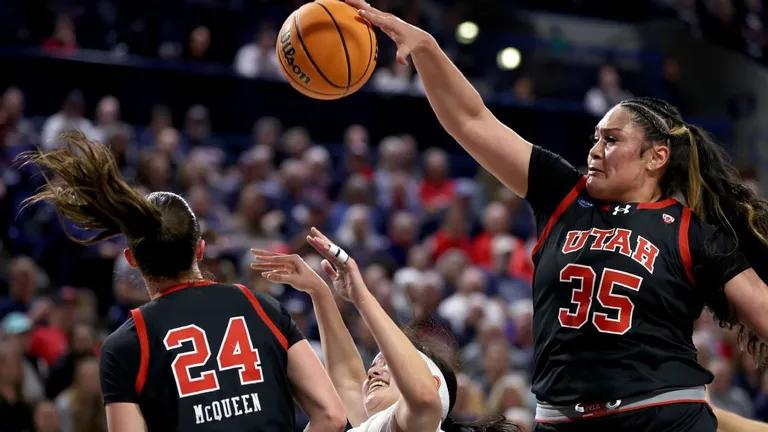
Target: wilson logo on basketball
{"x":289,"y":53}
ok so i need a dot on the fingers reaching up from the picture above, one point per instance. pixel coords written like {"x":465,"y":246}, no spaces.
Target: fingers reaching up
{"x":327,"y":249}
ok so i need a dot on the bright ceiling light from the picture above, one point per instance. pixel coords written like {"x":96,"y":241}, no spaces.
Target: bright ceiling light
{"x":467,"y":32}
{"x":509,"y":58}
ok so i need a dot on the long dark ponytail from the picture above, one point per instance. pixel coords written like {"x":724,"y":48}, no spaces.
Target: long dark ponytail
{"x":84,"y":184}
{"x":699,"y":170}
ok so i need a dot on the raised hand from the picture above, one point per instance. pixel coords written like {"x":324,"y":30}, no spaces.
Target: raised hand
{"x":347,"y":280}
{"x":407,"y":37}
{"x":287,"y":269}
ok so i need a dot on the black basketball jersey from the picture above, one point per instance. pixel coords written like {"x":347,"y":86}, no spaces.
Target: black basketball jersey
{"x":617,"y":288}
{"x":204,"y":357}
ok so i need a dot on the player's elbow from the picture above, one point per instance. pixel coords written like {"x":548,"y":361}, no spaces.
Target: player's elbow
{"x":426,"y":401}
{"x":330,"y":419}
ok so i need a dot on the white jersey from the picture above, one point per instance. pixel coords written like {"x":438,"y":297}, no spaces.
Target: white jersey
{"x":382,"y":421}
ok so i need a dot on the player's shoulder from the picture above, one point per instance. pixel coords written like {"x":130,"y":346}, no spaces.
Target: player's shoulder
{"x":124,"y":339}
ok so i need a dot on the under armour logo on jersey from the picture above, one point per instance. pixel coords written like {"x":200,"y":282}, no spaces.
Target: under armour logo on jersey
{"x":624,"y":210}
{"x":668,"y":219}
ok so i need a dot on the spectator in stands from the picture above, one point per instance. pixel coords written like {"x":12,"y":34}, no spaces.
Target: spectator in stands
{"x":503,"y":281}
{"x":469,"y":308}
{"x":160,"y":118}
{"x":472,"y":354}
{"x":509,"y":392}
{"x":425,"y":296}
{"x":46,"y":418}
{"x":70,"y":117}
{"x":318,"y":161}
{"x":496,"y":222}
{"x":403,"y":234}
{"x":199,"y":45}
{"x":607,"y":93}
{"x":15,"y":410}
{"x":197,"y":128}
{"x":16,"y":327}
{"x":437,"y":189}
{"x":119,"y":138}
{"x":397,"y":78}
{"x":129,"y":292}
{"x":357,"y":235}
{"x":82,"y":344}
{"x":396,"y":186}
{"x":294,"y":142}
{"x":47,"y":340}
{"x":258,"y":58}
{"x":722,"y":392}
{"x":257,"y":165}
{"x":266,"y":131}
{"x":209,"y":212}
{"x":469,"y":405}
{"x":24,"y":281}
{"x":63,"y":41}
{"x":80,"y":405}
{"x":450,"y":265}
{"x":453,"y":233}
{"x":168,"y":143}
{"x":155,"y":173}
{"x":13,"y":103}
{"x":496,"y":364}
{"x":107,"y":115}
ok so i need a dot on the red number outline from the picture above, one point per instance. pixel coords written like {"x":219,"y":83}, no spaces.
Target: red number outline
{"x":579,"y":296}
{"x":231,"y":338}
{"x":582,"y":298}
{"x":621,"y":303}
{"x":181,"y":364}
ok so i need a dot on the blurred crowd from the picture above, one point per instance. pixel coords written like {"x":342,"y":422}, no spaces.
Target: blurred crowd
{"x":448,"y":256}
{"x":239,"y":36}
{"x":739,"y":25}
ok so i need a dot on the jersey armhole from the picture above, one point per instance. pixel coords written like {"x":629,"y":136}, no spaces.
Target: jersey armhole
{"x":684,"y":245}
{"x":561,"y":208}
{"x":264,"y":317}
{"x":141,"y":331}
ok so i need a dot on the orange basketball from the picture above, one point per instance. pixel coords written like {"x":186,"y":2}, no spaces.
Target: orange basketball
{"x":326,"y":50}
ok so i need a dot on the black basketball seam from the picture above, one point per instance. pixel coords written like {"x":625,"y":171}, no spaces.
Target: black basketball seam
{"x":292,"y":78}
{"x":309,"y":56}
{"x":370,"y":54}
{"x":343,"y":43}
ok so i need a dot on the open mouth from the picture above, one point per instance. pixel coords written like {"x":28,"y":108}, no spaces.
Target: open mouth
{"x":375,"y":385}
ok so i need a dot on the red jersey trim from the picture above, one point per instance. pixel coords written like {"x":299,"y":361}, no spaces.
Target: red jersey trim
{"x":184,"y":285}
{"x":141,"y":330}
{"x":684,"y":245}
{"x":657,"y":205}
{"x":264,"y":317}
{"x":605,"y":413}
{"x":561,"y":208}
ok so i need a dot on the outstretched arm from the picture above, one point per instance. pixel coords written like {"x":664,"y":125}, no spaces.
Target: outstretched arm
{"x":456,"y":103}
{"x":748,"y":296}
{"x":342,"y":360}
{"x":420,"y":408}
{"x":730,"y":422}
